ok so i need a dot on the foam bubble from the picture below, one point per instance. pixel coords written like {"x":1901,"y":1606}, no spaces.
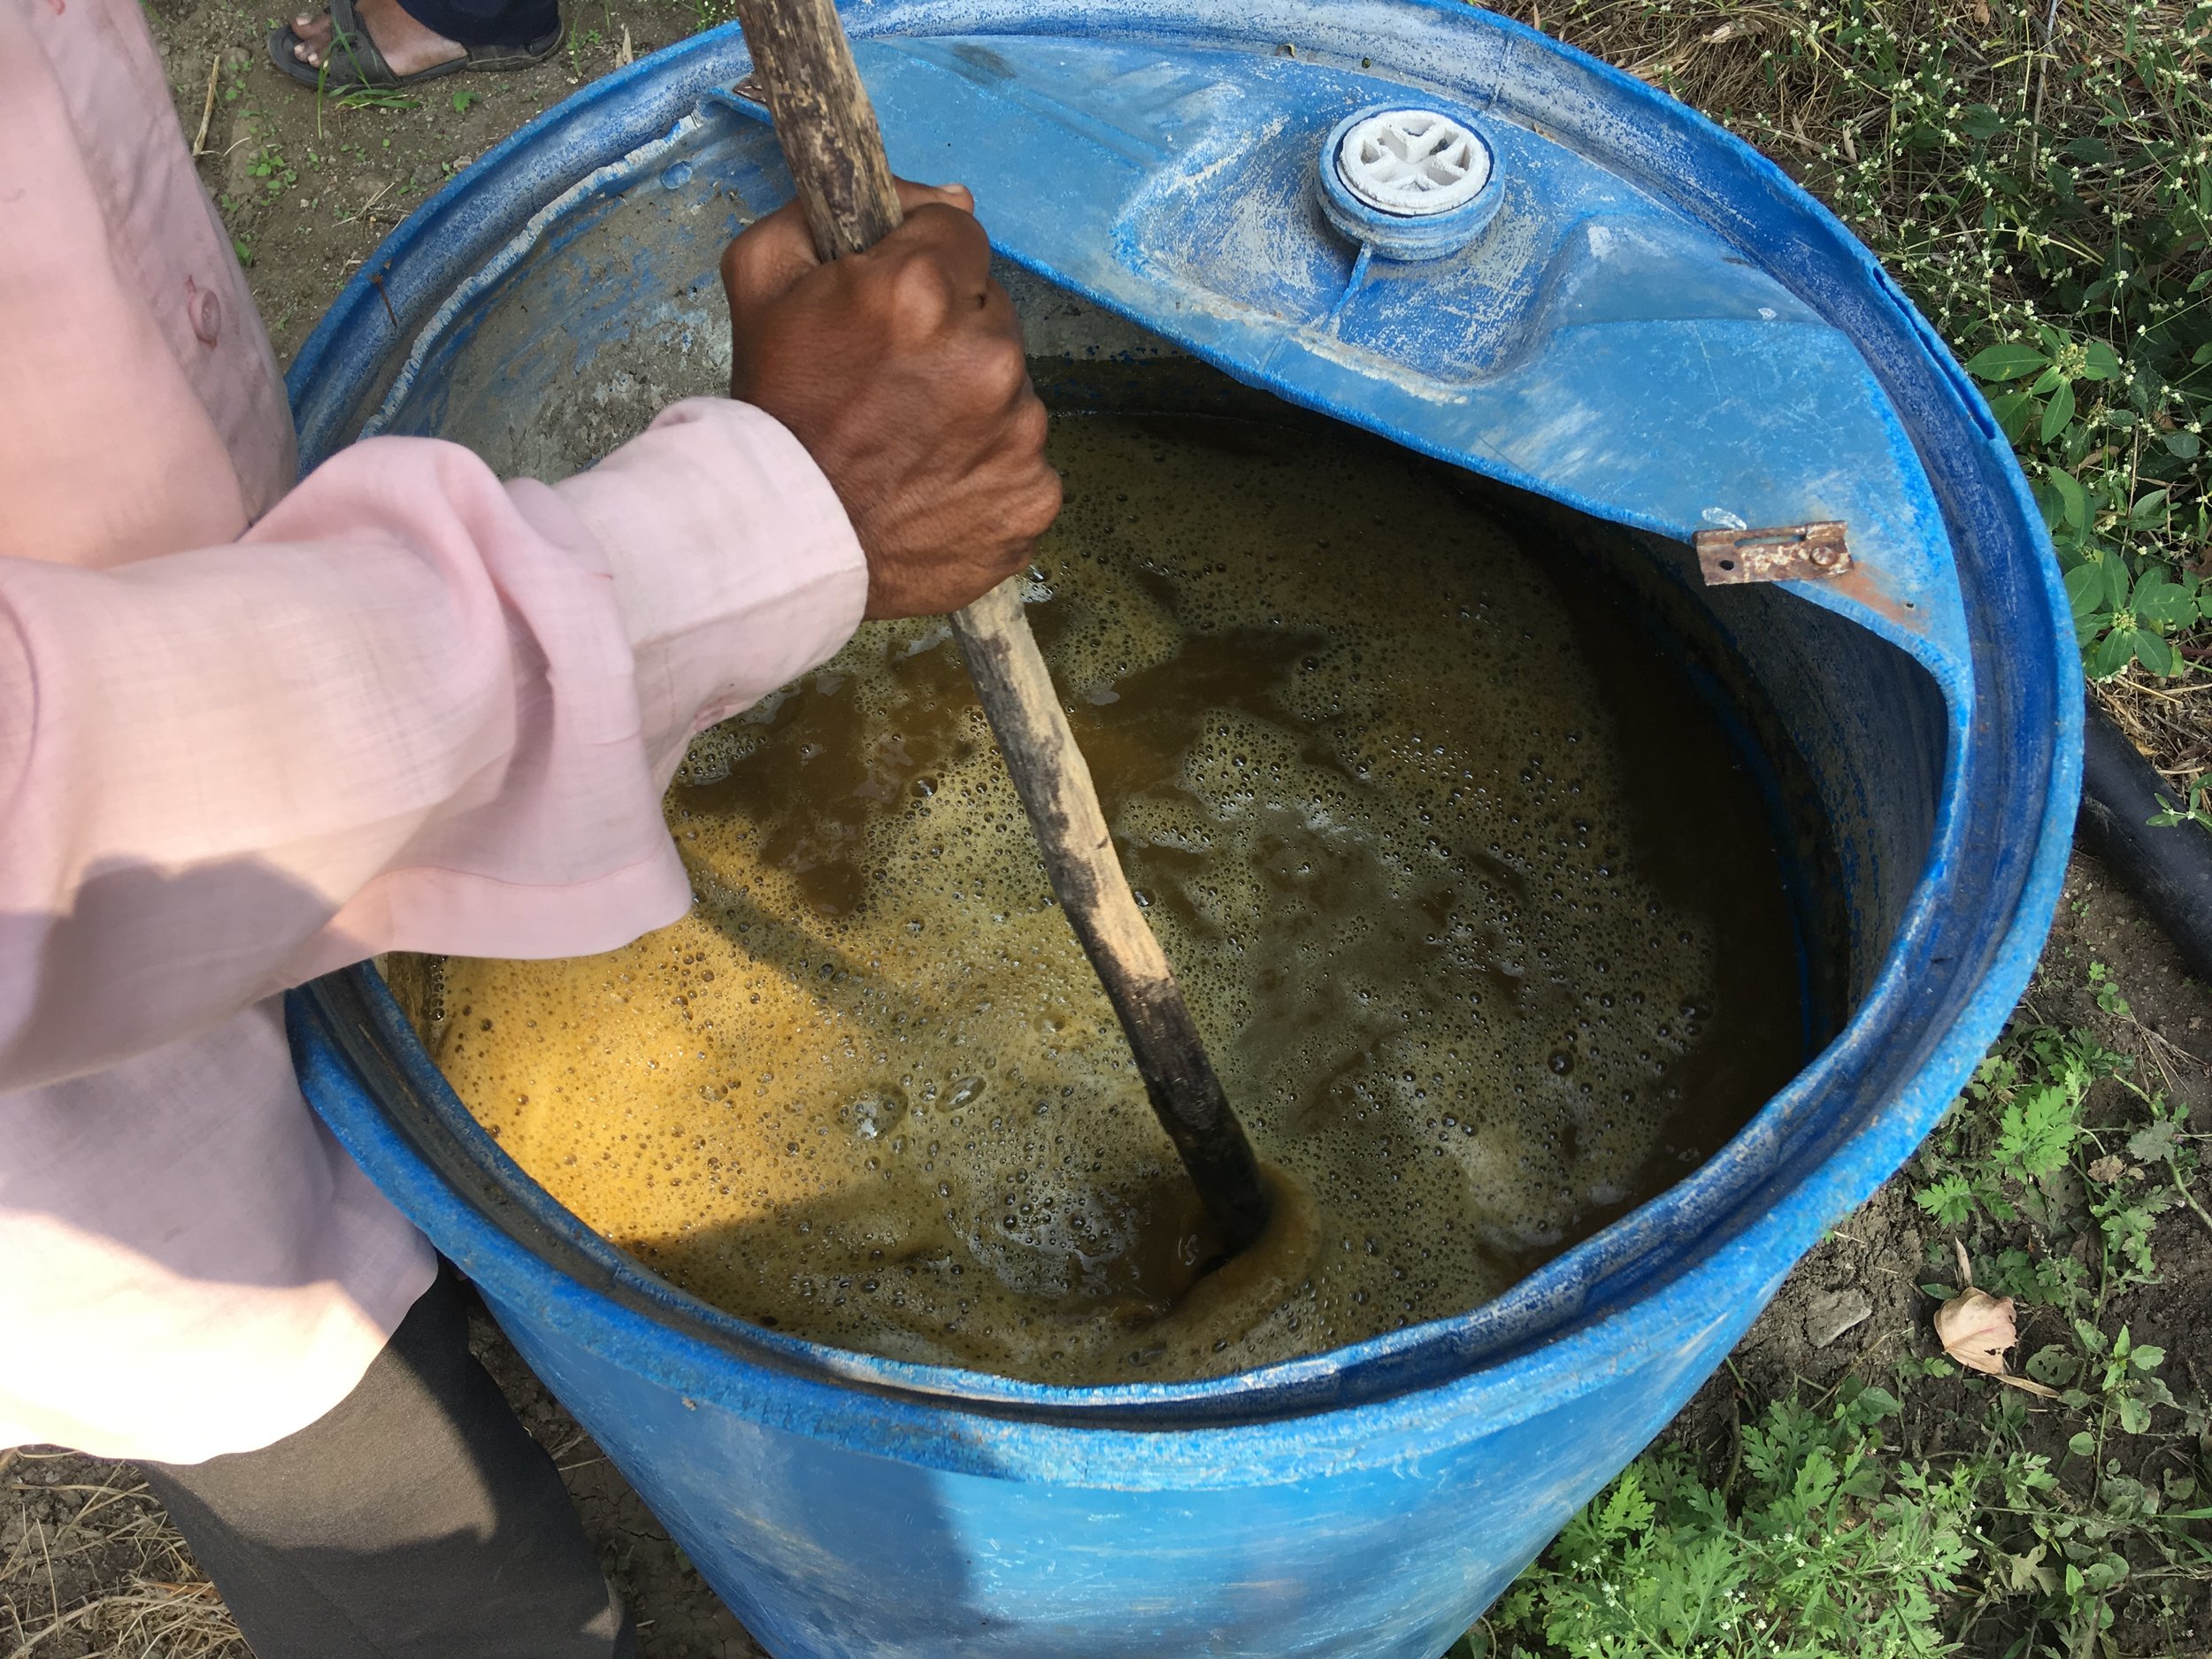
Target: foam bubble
{"x":1366,"y":783}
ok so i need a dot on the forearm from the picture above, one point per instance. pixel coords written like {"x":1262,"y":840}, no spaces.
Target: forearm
{"x":412,"y":708}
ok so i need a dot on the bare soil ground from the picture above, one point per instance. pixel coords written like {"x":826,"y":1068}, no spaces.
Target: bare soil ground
{"x":1854,"y":1305}
{"x":87,"y":1565}
{"x":1870,"y":1267}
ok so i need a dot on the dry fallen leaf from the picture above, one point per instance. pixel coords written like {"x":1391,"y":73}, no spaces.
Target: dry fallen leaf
{"x":1981,"y":13}
{"x":2107,"y":1169}
{"x":1975,"y":1328}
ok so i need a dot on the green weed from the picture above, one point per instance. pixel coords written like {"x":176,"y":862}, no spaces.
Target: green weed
{"x":2194,"y":809}
{"x":276,"y":174}
{"x":2066,"y":260}
{"x":376,"y":98}
{"x":1821,"y":1547}
{"x":2045,"y":1529}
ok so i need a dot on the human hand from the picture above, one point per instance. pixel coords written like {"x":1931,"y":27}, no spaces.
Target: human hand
{"x":901,"y":370}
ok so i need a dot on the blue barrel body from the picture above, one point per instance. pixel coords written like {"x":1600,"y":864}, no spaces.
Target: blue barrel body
{"x":1656,"y":329}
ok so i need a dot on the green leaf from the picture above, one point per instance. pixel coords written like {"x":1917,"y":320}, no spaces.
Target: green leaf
{"x":2083,"y":1445}
{"x":2052,"y":1364}
{"x":2073,"y":500}
{"x":2116,"y":577}
{"x":1626,"y":1511}
{"x":462,"y":100}
{"x":2085,"y":588}
{"x":2151,"y":651}
{"x":2058,"y":413}
{"x":1872,"y":1405}
{"x":2012,"y":411}
{"x":2011,"y":360}
{"x":2144,"y":1356}
{"x":2113,"y":653}
{"x":2103,"y":362}
{"x":2182,"y":445}
{"x":2167,"y":603}
{"x":2037,"y":1129}
{"x":2154,"y":1145}
{"x":2150,"y":508}
{"x":2135,"y":1416}
{"x":2202,"y":355}
{"x":1950,"y":1200}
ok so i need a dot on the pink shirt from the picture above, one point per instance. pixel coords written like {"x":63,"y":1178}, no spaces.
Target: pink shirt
{"x":251,"y":730}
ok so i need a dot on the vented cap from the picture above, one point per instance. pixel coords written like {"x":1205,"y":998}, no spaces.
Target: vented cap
{"x":1416,"y":162}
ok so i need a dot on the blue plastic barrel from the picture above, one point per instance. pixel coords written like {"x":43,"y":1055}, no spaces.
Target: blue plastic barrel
{"x":1651,"y":328}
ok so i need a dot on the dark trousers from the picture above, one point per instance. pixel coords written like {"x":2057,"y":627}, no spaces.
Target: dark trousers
{"x":486,"y":22}
{"x":416,"y":1520}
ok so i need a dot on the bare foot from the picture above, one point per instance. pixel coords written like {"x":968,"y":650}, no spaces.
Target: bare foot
{"x":407,"y":46}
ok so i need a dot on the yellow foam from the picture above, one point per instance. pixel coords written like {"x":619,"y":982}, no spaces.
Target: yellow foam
{"x":1362,"y":770}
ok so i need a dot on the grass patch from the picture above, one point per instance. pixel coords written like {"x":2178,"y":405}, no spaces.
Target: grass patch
{"x":1811,"y":1543}
{"x":89,"y":1565}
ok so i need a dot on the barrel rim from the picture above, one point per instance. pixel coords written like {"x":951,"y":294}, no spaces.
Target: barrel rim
{"x":1677,"y":1267}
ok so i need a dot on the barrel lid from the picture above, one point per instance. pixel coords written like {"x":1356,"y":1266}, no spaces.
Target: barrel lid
{"x":1631,"y":312}
{"x":1612,"y":337}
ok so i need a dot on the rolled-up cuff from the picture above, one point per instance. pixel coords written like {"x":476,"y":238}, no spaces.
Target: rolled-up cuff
{"x":736,"y":568}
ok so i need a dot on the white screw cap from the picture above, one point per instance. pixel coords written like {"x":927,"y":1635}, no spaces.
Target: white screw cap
{"x":1415,"y":162}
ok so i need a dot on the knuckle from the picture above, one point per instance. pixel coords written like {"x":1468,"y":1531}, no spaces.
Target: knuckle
{"x":1002,"y":376}
{"x":942,"y":221}
{"x":738,"y":264}
{"x":767,"y":257}
{"x":919,"y":294}
{"x":1029,"y":427}
{"x":1044,"y":503}
{"x":955,"y":241}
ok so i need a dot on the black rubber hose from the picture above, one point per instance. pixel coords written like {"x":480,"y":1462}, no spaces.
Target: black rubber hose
{"x":2169,"y":869}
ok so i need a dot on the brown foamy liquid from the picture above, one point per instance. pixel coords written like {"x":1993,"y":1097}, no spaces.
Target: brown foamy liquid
{"x":1482,"y":925}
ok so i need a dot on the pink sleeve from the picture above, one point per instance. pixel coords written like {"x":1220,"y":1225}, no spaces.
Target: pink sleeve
{"x":412,"y":708}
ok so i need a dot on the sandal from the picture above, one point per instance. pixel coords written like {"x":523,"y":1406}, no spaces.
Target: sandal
{"x":353,"y":61}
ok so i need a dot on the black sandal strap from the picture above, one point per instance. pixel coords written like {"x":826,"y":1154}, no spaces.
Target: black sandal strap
{"x":354,"y":59}
{"x":526,"y":56}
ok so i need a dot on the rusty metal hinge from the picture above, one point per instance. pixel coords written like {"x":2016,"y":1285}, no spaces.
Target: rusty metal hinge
{"x":1791,"y":553}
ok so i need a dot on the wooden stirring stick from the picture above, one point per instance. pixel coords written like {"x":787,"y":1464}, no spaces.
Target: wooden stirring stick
{"x":834,"y":149}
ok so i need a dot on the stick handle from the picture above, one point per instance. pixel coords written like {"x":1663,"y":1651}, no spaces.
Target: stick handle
{"x":835,"y":152}
{"x":1054,"y":785}
{"x":825,"y":121}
